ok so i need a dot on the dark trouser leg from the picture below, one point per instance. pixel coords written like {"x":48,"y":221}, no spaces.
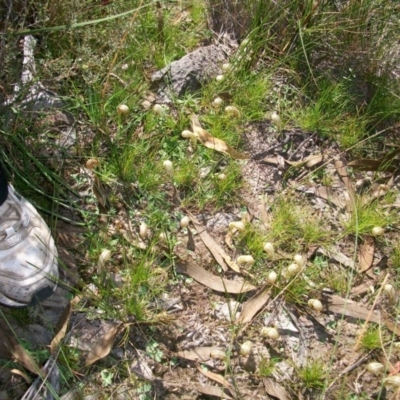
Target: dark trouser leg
{"x":3,"y":185}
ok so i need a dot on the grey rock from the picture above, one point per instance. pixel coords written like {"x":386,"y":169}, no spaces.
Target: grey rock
{"x":37,"y":335}
{"x":229,"y":311}
{"x":220,"y":222}
{"x":188,"y":74}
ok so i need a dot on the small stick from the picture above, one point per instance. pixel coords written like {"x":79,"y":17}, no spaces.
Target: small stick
{"x":301,"y":145}
{"x":264,"y":153}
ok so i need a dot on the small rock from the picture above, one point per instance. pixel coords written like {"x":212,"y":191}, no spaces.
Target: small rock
{"x":118,"y":352}
{"x":188,"y":74}
{"x":220,"y":222}
{"x":229,"y":311}
{"x":204,"y":171}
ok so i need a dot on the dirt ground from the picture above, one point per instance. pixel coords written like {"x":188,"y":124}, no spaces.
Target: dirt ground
{"x":196,"y":345}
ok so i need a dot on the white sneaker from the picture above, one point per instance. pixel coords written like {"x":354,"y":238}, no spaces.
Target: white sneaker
{"x":28,"y":255}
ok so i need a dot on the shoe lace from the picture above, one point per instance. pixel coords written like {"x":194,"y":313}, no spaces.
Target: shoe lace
{"x":15,"y":217}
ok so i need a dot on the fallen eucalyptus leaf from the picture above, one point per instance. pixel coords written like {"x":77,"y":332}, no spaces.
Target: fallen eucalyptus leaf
{"x":200,"y":354}
{"x":229,"y":239}
{"x":365,"y":164}
{"x":366,"y":255}
{"x":11,"y":347}
{"x":337,"y":256}
{"x":344,"y":176}
{"x":363,"y":287}
{"x":254,"y":304}
{"x":215,"y":377}
{"x":314,"y":160}
{"x":22,"y":374}
{"x":386,"y":163}
{"x":62,"y":324}
{"x":219,"y":254}
{"x":104,"y":345}
{"x":271,"y":160}
{"x":213,"y":143}
{"x":212,"y":281}
{"x":349,"y":308}
{"x":274,"y":389}
{"x":308,"y":162}
{"x":100,"y":191}
{"x":325,"y":193}
{"x":212,"y":391}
